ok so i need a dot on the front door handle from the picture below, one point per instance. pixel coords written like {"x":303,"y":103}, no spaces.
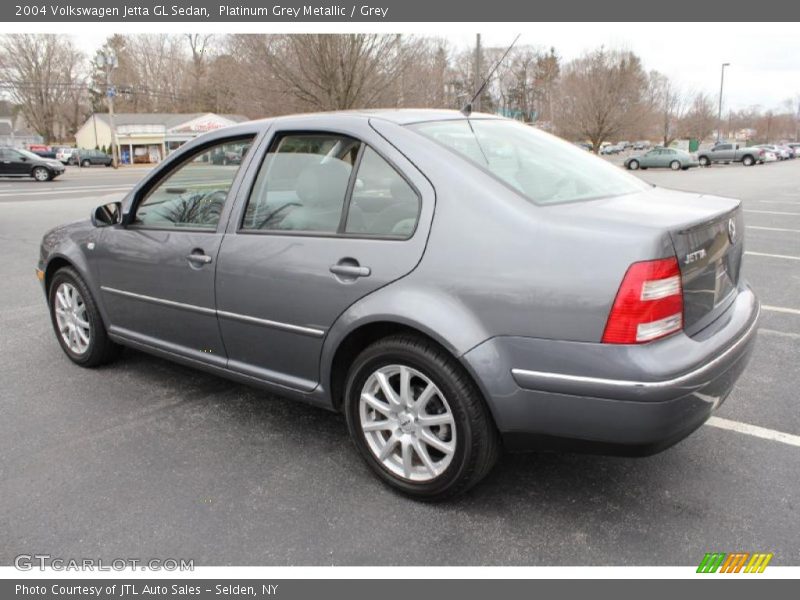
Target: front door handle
{"x":198,"y":258}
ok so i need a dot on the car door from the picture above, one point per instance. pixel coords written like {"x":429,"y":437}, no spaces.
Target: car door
{"x":332,"y":215}
{"x":157,"y":272}
{"x":16,"y":163}
{"x":650,"y":159}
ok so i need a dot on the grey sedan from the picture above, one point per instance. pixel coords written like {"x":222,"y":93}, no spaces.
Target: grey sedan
{"x":453,"y":284}
{"x":667,"y":158}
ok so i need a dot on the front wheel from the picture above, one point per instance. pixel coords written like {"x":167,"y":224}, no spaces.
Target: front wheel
{"x":704,"y":161}
{"x":418,"y":420}
{"x":77,"y":322}
{"x":41,"y":174}
{"x":675,"y":165}
{"x":633,"y":165}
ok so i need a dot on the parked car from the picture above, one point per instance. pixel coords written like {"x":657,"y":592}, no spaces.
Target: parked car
{"x":588,"y":309}
{"x":42,"y":151}
{"x":611,"y":149}
{"x":87,"y":158}
{"x":781,"y":152}
{"x":770,"y":156}
{"x":729,"y":152}
{"x":16,"y":162}
{"x":668,"y":158}
{"x":641,"y":145}
{"x":63,"y":154}
{"x":795,"y":146}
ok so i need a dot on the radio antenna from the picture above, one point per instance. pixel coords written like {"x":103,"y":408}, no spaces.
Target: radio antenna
{"x":467,"y":110}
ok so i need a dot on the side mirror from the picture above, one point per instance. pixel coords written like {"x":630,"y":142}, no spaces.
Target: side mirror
{"x":107,"y":214}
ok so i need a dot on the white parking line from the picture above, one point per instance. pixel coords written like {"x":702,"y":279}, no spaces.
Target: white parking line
{"x":772,"y":212}
{"x":779,"y":202}
{"x":788,"y":334}
{"x":64,"y":191}
{"x":755,"y":431}
{"x":785,"y":256}
{"x":773,"y":229}
{"x":781,"y":309}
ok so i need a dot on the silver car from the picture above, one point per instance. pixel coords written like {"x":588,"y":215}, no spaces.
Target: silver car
{"x":453,"y":285}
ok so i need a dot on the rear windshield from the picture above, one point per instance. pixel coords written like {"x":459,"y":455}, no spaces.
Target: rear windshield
{"x":543,"y":168}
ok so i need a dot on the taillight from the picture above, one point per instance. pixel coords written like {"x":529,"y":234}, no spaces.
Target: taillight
{"x":649,"y":303}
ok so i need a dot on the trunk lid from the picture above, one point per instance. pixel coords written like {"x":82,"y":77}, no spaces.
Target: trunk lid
{"x":710,"y":258}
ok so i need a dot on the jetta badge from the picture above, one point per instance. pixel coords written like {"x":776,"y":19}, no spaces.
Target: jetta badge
{"x":731,"y":230}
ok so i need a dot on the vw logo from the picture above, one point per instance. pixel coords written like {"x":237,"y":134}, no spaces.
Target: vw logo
{"x":731,"y":230}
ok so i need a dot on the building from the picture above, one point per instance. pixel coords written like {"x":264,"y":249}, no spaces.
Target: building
{"x":149,"y":137}
{"x":13,"y":135}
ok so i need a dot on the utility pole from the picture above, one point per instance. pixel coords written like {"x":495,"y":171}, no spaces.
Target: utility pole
{"x":719,"y":114}
{"x":107,"y":60}
{"x":478,"y":69}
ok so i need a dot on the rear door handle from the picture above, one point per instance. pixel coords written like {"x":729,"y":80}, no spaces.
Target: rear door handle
{"x":198,"y":259}
{"x":350,"y":271}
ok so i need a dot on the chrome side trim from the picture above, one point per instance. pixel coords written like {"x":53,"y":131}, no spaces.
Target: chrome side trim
{"x":310,"y":331}
{"x":642,"y":385}
{"x":161,"y":301}
{"x":273,"y":324}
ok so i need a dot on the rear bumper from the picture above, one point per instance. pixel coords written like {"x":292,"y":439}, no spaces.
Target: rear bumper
{"x":614,"y":399}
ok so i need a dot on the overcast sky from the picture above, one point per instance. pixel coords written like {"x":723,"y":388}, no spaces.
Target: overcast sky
{"x":764,"y":57}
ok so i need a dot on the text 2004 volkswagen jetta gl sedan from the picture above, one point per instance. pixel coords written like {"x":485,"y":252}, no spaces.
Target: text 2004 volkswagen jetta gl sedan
{"x":451,"y":284}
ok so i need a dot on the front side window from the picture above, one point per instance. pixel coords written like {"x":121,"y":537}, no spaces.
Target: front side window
{"x":193,"y":194}
{"x":541,"y":167}
{"x":302,"y":184}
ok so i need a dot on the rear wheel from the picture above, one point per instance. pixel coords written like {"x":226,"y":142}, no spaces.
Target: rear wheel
{"x":77,"y":322}
{"x":633,"y":165}
{"x":748,"y":161}
{"x":418,"y":420}
{"x":86,"y":163}
{"x":41,"y":174}
{"x":675,"y":165}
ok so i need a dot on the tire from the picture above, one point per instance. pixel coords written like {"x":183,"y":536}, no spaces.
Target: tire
{"x":41,"y":174}
{"x":748,"y":161}
{"x":675,"y":165}
{"x":704,"y":161}
{"x":466,"y":431}
{"x":633,"y":165}
{"x":99,"y":349}
{"x":86,"y":163}
{"x":108,"y":164}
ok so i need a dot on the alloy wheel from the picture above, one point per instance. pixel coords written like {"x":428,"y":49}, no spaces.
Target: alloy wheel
{"x":41,"y":174}
{"x":72,"y":318}
{"x":407,"y":423}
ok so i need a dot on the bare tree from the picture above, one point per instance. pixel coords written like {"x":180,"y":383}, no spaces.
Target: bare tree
{"x":700,"y":119}
{"x":44,"y":73}
{"x":601,"y":95}
{"x":669,"y":106}
{"x":334,"y":72}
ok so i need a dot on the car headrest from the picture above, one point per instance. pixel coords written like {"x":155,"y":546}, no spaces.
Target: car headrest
{"x":323,"y":184}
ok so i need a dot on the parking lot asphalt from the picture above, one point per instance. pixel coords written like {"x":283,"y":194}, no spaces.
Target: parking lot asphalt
{"x":147,"y":459}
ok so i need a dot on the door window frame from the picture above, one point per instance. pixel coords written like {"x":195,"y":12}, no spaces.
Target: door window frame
{"x":340,"y":233}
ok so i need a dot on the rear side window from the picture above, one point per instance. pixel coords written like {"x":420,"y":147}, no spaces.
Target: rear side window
{"x":383,"y":203}
{"x":330,"y":184}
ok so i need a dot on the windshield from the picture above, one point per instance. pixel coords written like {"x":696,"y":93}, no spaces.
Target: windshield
{"x":542,"y":167}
